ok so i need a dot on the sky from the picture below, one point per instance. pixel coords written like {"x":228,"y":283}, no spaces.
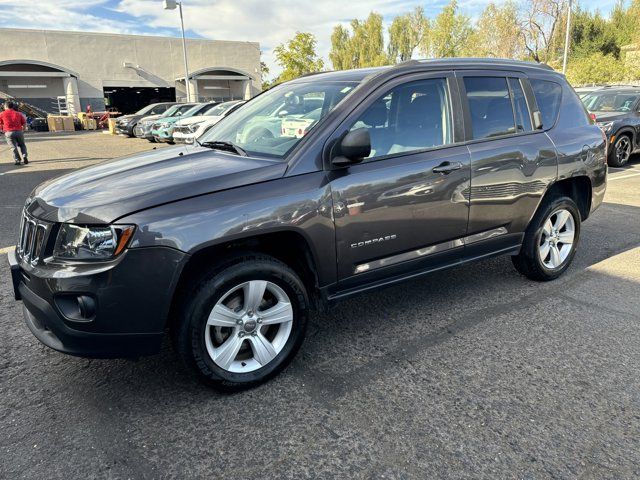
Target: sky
{"x":269,"y":22}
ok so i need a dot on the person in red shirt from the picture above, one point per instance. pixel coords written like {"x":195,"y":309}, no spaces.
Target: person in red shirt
{"x":12,"y":123}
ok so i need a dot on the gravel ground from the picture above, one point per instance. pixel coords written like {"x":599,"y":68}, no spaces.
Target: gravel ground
{"x":474,"y":372}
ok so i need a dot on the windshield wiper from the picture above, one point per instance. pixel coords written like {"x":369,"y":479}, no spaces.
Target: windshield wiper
{"x":226,"y":146}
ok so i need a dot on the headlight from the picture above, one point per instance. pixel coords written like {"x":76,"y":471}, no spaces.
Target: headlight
{"x":195,"y":126}
{"x":77,"y":242}
{"x":165,"y":125}
{"x":605,"y":126}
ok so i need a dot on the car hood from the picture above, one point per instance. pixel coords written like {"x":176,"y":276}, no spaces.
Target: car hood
{"x":608,"y":116}
{"x":150,"y":118}
{"x":128,"y":117}
{"x":107,"y":191}
{"x":197,"y":119}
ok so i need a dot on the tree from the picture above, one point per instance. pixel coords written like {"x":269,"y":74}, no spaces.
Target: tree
{"x":340,"y":54}
{"x":363,"y":47}
{"x":541,"y":28}
{"x":497,"y":33}
{"x":449,"y":34}
{"x":596,"y":69}
{"x":264,"y":72}
{"x":406,"y":33}
{"x":298,"y":56}
{"x":591,"y":33}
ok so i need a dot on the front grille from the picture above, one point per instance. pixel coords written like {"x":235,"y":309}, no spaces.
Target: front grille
{"x":155,"y":126}
{"x":34,"y":234}
{"x":182,"y":129}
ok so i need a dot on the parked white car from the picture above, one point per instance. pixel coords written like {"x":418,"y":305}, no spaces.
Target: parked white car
{"x":187,"y":130}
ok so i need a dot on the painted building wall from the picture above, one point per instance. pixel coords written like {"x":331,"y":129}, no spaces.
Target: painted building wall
{"x":98,"y":59}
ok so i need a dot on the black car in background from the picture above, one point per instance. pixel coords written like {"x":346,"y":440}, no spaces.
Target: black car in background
{"x":230,"y":243}
{"x":617,"y":112}
{"x":126,"y":123}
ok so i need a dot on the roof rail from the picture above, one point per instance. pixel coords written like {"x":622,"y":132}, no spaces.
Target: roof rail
{"x":495,"y":61}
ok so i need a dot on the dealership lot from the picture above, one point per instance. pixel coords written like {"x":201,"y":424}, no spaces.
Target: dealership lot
{"x":474,"y":372}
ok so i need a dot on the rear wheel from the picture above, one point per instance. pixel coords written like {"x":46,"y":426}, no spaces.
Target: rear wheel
{"x":550,"y":240}
{"x":244,"y":322}
{"x":621,"y":151}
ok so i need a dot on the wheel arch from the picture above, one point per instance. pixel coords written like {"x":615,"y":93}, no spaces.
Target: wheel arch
{"x":578,"y":188}
{"x":288,"y":246}
{"x":629,"y":132}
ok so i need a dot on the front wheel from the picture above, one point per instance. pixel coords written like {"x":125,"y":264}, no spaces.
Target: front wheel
{"x":243,"y":323}
{"x":550,"y":240}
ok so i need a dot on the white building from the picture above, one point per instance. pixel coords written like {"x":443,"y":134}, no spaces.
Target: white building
{"x":122,"y":72}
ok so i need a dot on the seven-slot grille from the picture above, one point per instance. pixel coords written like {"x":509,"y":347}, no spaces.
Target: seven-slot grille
{"x":33,"y":238}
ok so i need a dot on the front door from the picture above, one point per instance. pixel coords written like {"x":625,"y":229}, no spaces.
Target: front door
{"x":404,"y":206}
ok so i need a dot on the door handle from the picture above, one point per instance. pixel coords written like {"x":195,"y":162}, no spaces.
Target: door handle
{"x":447,"y":167}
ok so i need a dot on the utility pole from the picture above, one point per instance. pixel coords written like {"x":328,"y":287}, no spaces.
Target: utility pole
{"x":171,"y":5}
{"x":567,"y":39}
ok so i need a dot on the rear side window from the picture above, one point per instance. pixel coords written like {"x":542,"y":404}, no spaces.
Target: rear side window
{"x":523,"y":119}
{"x":490,"y":106}
{"x":549,"y":96}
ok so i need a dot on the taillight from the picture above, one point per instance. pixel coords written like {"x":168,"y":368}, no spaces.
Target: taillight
{"x":606,"y":145}
{"x":593,"y":118}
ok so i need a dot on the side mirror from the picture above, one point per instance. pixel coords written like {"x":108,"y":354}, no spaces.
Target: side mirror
{"x":354,"y":147}
{"x":537,"y":120}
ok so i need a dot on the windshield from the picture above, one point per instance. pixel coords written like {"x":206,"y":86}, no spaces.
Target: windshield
{"x":195,"y":110}
{"x":219,"y":109}
{"x":610,"y":101}
{"x":146,"y":109}
{"x":257,"y":127}
{"x":177,"y":110}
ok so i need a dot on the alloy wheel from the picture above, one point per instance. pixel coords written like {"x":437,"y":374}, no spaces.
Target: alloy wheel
{"x":249,"y":326}
{"x":556,"y":240}
{"x":623,"y":150}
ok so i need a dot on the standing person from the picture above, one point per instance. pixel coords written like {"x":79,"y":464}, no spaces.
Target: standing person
{"x":13,"y":123}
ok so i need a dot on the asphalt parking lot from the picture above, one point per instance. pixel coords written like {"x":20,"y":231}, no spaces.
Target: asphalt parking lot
{"x":475,"y":372}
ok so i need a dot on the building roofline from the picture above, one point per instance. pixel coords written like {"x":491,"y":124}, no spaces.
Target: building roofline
{"x":112,"y":34}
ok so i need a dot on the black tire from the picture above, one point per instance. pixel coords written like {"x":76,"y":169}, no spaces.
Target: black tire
{"x":189,"y":332}
{"x":528,"y":261}
{"x":620,"y":151}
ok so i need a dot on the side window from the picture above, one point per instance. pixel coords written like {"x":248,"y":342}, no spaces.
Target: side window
{"x":490,"y":106}
{"x":523,"y":119}
{"x":410,"y":117}
{"x":548,"y":95}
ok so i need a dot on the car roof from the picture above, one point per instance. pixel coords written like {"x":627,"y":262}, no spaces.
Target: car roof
{"x":360,"y":74}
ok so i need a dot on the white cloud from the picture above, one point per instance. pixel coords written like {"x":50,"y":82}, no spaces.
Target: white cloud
{"x":269,"y":23}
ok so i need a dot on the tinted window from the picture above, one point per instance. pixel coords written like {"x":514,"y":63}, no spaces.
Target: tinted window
{"x":523,"y":119}
{"x":490,"y":106}
{"x":548,"y":95}
{"x":410,"y":117}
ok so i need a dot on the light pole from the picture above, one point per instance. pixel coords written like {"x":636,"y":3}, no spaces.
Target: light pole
{"x":171,"y":5}
{"x":567,"y":40}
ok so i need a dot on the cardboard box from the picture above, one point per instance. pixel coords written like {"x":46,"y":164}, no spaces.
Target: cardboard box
{"x":60,"y":123}
{"x":89,"y":124}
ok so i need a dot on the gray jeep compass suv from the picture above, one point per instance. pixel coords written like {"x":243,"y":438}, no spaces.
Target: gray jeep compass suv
{"x":316,"y":190}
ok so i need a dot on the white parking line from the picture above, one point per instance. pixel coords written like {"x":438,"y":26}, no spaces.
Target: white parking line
{"x":6,"y":249}
{"x":624,"y":176}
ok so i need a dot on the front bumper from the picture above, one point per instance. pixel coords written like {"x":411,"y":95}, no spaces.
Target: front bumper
{"x":132,"y":298}
{"x":124,"y":129}
{"x":163,"y":135}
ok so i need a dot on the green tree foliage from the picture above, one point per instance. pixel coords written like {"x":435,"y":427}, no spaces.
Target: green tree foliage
{"x":521,"y":29}
{"x":406,"y":33}
{"x":591,"y":33}
{"x":362,"y":47}
{"x":298,"y":57}
{"x":498,"y":32}
{"x":449,"y":34}
{"x":596,"y":69}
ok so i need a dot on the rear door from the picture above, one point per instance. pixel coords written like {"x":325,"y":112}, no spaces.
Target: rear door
{"x":403,"y":208}
{"x":511,"y":163}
